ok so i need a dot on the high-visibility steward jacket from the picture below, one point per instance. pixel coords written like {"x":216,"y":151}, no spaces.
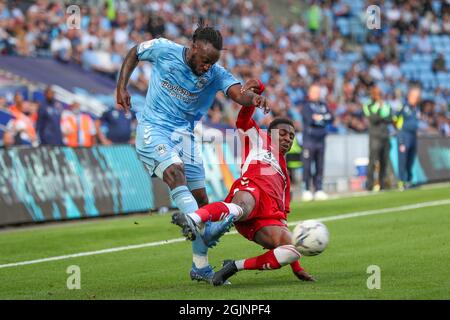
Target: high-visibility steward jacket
{"x":78,"y":129}
{"x":380,"y":116}
{"x":22,"y":125}
{"x":293,"y":157}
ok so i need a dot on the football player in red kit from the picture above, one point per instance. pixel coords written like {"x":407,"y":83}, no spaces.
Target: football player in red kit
{"x":258,"y":202}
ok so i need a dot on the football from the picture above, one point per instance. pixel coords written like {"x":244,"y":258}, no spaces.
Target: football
{"x":310,"y":237}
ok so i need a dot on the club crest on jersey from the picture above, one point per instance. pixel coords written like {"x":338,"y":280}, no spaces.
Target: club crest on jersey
{"x":202,"y":81}
{"x":161,"y":149}
{"x":268,"y":156}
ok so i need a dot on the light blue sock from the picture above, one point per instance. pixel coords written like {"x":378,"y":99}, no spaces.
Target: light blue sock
{"x":185,"y":201}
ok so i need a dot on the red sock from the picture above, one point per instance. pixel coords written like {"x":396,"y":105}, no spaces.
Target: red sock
{"x":262,"y":262}
{"x":296,"y":267}
{"x":214,"y":211}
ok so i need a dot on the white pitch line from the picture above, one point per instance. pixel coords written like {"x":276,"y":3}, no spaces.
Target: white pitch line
{"x":160,"y":243}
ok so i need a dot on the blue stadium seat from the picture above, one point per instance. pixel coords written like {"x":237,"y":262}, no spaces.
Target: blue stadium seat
{"x":415,"y":58}
{"x":446,"y":40}
{"x":371,"y":50}
{"x":344,"y":26}
{"x":439,"y":48}
{"x":414,"y":39}
{"x":441,"y":76}
{"x":427,"y":58}
{"x":435,"y":39}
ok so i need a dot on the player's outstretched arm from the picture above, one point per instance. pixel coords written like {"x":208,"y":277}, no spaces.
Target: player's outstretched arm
{"x":244,"y":120}
{"x":123,"y":98}
{"x":247,"y":98}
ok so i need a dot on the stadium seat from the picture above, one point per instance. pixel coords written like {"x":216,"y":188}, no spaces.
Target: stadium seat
{"x":371,"y":50}
{"x":344,"y":26}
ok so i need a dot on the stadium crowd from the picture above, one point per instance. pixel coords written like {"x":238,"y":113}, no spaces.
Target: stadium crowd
{"x":288,"y":56}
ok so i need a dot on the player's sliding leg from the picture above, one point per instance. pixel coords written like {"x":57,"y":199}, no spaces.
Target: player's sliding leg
{"x":271,"y":237}
{"x":271,"y":260}
{"x":282,"y":253}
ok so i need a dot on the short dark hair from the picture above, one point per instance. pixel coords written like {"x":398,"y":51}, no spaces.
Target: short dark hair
{"x":208,"y":34}
{"x":415,"y":85}
{"x":281,"y":120}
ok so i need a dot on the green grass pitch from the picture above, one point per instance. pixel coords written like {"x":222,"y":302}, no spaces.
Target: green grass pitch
{"x":412,"y":249}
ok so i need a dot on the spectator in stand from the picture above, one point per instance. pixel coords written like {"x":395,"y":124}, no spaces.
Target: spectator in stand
{"x":444,"y":124}
{"x":214,"y":117}
{"x":428,"y":121}
{"x":115,"y":126}
{"x":5,"y":117}
{"x":289,"y":54}
{"x":423,"y":43}
{"x":439,"y":64}
{"x":314,"y":17}
{"x":354,"y":118}
{"x":48,"y":124}
{"x":61,"y":47}
{"x":78,"y":128}
{"x":3,"y":104}
{"x":446,"y":23}
{"x":20,"y":129}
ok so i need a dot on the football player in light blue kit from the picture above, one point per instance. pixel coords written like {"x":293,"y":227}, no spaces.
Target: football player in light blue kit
{"x":183,"y":84}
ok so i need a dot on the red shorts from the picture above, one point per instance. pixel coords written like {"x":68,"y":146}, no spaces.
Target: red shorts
{"x":265,"y":213}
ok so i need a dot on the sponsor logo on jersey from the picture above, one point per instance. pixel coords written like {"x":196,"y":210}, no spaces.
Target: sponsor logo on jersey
{"x":202,"y":81}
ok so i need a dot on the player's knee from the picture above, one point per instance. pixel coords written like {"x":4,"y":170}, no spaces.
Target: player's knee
{"x":272,"y":240}
{"x":286,"y":254}
{"x":283,"y":240}
{"x":174,"y":175}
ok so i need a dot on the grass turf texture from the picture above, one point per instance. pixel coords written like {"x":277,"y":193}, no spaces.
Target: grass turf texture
{"x":410,"y":247}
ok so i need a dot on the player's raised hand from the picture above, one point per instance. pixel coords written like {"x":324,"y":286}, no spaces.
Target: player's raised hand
{"x":123,"y":99}
{"x":252,"y":85}
{"x":261,"y":102}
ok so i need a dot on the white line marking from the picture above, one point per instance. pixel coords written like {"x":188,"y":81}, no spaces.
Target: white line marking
{"x":160,"y":243}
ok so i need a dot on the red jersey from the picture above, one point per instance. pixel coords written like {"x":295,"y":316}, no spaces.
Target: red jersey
{"x":260,"y":164}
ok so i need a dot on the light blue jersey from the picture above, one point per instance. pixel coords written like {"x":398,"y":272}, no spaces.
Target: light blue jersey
{"x":176,"y":100}
{"x":176,"y":97}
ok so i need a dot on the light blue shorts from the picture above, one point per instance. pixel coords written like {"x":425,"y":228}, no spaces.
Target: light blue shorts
{"x":158,"y":149}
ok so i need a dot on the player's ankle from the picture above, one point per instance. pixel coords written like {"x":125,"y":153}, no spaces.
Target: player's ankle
{"x":195,"y":218}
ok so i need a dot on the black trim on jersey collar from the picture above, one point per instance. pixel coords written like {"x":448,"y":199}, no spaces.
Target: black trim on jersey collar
{"x":184,"y":56}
